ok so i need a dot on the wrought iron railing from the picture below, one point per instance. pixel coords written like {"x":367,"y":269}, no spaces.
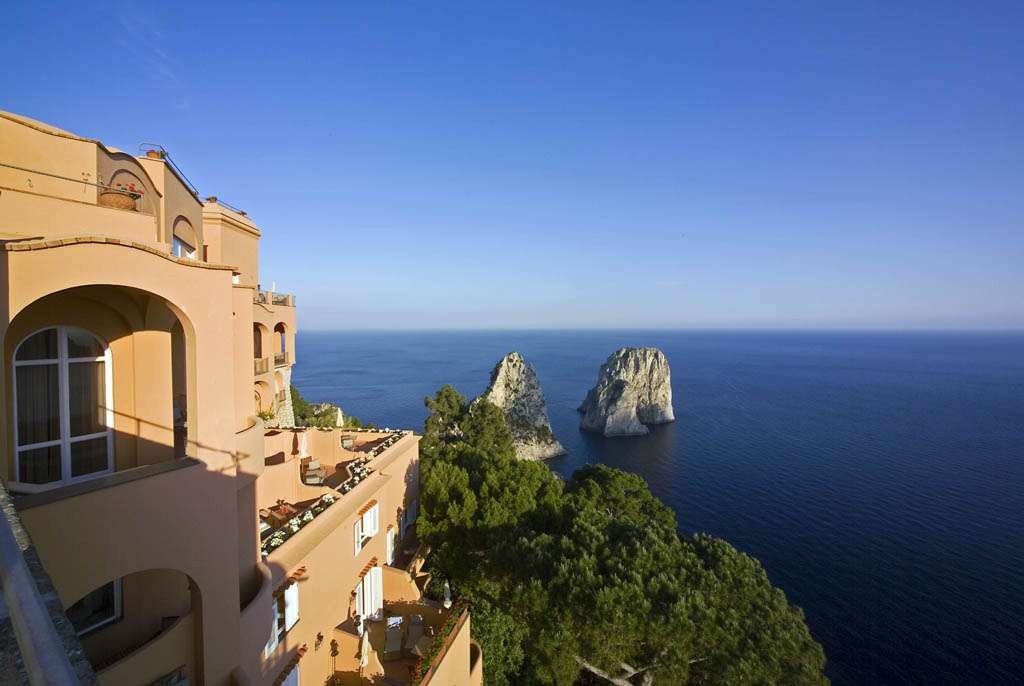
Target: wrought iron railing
{"x":261,"y":365}
{"x":282,"y":359}
{"x":270,"y":298}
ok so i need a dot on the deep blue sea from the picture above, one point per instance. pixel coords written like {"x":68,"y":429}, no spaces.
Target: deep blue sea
{"x":879,"y":477}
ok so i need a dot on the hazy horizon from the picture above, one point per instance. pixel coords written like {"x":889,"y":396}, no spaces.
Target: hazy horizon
{"x":738,"y":329}
{"x":464,"y":166}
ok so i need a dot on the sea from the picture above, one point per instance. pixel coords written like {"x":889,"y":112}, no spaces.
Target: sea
{"x":878,"y":476}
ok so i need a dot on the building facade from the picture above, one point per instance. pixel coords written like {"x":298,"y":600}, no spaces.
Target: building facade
{"x":191,"y":534}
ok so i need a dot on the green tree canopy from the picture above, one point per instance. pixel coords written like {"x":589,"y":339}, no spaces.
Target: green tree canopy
{"x":591,"y":576}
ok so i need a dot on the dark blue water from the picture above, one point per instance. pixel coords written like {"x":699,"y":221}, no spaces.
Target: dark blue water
{"x":878,"y":476}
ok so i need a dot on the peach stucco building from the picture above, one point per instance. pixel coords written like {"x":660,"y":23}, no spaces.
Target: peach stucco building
{"x":189,"y":534}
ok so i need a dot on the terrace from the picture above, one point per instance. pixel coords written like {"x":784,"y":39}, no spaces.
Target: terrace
{"x":309,"y":470}
{"x":406,"y":646}
{"x":272,"y":298}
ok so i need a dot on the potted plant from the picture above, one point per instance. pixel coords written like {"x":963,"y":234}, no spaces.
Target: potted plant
{"x":121,"y":196}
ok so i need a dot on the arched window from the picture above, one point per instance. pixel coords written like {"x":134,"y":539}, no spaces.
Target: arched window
{"x":63,"y":407}
{"x":184,"y":242}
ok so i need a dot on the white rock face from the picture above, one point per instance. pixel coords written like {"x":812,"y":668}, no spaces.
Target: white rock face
{"x":284,"y":415}
{"x":634,"y":388}
{"x":515,"y":390}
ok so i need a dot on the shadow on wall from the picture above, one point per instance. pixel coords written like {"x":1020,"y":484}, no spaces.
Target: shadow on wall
{"x":144,"y":612}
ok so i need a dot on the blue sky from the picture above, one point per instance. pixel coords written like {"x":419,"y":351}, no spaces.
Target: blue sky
{"x":551,"y":165}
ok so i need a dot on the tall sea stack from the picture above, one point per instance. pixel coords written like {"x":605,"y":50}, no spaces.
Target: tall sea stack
{"x":634,"y":389}
{"x":515,"y":390}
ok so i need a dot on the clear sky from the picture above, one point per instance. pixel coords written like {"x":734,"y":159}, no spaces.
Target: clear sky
{"x":591,"y":164}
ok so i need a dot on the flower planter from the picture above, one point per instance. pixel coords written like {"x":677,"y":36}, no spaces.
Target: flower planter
{"x":117,"y":200}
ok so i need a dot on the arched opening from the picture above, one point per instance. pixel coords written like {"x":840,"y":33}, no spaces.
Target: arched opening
{"x":280,"y":388}
{"x":125,"y":191}
{"x":260,"y":341}
{"x":121,"y":618}
{"x":185,"y":241}
{"x":280,"y":338}
{"x":99,"y":380}
{"x":264,"y":397}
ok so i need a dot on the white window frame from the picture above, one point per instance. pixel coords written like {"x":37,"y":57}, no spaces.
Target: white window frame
{"x":66,"y":440}
{"x":366,"y":527}
{"x":109,"y":620}
{"x":390,"y":538}
{"x":291,"y":606}
{"x":285,"y":615}
{"x":182,"y":248}
{"x":370,"y":594}
{"x":275,"y":634}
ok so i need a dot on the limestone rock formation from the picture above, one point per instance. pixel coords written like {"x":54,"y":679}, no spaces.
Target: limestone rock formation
{"x":326,"y":415}
{"x":634,"y":389}
{"x":515,"y":390}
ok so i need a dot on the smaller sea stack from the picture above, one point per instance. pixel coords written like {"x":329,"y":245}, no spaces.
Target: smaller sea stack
{"x":515,"y":390}
{"x":634,"y":389}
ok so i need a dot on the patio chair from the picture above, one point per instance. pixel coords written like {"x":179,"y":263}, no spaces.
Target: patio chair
{"x":415,"y":642}
{"x":314,"y":474}
{"x":393,"y":639}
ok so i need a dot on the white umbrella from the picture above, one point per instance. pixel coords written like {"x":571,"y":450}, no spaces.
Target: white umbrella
{"x":364,"y":649}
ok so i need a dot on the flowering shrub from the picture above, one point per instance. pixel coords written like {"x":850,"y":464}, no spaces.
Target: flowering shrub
{"x":278,"y":538}
{"x":438,"y":646}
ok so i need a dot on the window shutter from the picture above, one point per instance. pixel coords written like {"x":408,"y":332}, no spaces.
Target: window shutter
{"x":272,"y":642}
{"x":357,"y":534}
{"x":360,"y":609}
{"x":377,"y":581}
{"x":391,"y":546}
{"x":291,"y":606}
{"x":371,"y":521}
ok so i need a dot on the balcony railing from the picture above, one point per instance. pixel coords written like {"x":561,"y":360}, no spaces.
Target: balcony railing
{"x":261,"y":365}
{"x":282,"y":359}
{"x":282,"y":396}
{"x":270,"y":298}
{"x":442,"y":642}
{"x":44,"y":648}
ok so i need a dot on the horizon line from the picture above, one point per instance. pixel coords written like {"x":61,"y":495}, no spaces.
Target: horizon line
{"x":674,"y":329}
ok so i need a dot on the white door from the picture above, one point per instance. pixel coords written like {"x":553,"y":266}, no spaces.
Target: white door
{"x":370,"y":595}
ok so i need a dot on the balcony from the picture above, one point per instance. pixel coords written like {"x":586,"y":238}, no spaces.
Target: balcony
{"x":167,"y":653}
{"x":261,"y":365}
{"x":64,"y":213}
{"x":271,"y":298}
{"x":350,"y":464}
{"x":282,"y":359}
{"x":416,"y":642}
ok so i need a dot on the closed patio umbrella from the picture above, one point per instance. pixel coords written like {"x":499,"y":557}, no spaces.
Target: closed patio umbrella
{"x":364,"y":649}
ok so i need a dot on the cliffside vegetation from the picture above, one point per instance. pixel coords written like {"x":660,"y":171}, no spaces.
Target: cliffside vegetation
{"x":318,"y":414}
{"x":588,"y":581}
